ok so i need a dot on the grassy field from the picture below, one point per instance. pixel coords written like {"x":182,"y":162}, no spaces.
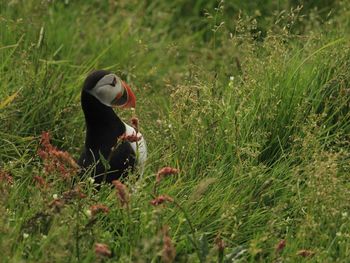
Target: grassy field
{"x":248,"y":99}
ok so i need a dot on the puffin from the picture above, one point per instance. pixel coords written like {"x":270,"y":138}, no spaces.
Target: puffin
{"x":108,"y":157}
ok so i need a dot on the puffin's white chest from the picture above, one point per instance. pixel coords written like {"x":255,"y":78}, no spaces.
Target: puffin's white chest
{"x":139,"y":147}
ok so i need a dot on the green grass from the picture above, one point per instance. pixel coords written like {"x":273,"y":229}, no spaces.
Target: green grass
{"x":250,"y":101}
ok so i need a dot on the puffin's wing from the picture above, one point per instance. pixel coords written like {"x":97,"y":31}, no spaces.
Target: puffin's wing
{"x":121,"y":161}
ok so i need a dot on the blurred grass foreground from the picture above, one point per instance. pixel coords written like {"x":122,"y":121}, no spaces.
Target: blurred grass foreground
{"x":247,"y":101}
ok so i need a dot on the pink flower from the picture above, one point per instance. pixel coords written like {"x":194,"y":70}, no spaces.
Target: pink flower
{"x":95,"y":209}
{"x":135,"y":123}
{"x":220,"y":244}
{"x":6,"y":177}
{"x":305,"y":253}
{"x":281,"y":245}
{"x":165,"y":171}
{"x":40,"y":181}
{"x":161,"y":199}
{"x":169,"y":252}
{"x":129,"y":138}
{"x":122,"y":192}
{"x":72,"y":194}
{"x":56,"y":160}
{"x":102,"y":250}
{"x":56,"y":204}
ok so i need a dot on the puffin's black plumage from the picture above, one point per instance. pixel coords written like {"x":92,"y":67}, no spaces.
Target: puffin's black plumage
{"x":103,"y":127}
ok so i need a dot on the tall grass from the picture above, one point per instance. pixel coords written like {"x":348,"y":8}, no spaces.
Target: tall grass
{"x":250,"y":101}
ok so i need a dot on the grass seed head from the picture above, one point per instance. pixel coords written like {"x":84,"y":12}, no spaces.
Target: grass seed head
{"x":201,"y":188}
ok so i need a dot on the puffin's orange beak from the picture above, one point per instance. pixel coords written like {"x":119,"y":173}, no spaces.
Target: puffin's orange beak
{"x":125,"y":99}
{"x":131,"y":101}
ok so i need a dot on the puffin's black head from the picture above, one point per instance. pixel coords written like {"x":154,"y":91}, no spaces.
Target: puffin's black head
{"x":109,"y":89}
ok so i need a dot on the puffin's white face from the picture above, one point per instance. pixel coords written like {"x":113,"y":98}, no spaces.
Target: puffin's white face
{"x":108,"y":90}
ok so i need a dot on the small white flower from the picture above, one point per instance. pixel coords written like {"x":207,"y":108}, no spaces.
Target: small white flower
{"x":25,"y":235}
{"x":232,"y":78}
{"x":55,"y":196}
{"x":91,"y":180}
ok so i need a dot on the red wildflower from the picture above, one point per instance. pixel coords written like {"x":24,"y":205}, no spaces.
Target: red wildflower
{"x":102,"y":250}
{"x":72,"y":194}
{"x":165,"y":171}
{"x":6,"y":177}
{"x":54,"y":159}
{"x":40,"y":181}
{"x":305,"y":253}
{"x":135,"y":123}
{"x":122,"y":192}
{"x":65,"y":158}
{"x":169,"y":252}
{"x":220,"y":244}
{"x":129,"y":138}
{"x":42,"y":154}
{"x":95,"y":209}
{"x":56,"y":204}
{"x":161,"y":199}
{"x":45,"y":141}
{"x":281,"y":245}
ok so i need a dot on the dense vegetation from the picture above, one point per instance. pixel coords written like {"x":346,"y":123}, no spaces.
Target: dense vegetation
{"x":248,"y":99}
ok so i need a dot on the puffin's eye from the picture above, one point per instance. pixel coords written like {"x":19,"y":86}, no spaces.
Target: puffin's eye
{"x":114,"y":82}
